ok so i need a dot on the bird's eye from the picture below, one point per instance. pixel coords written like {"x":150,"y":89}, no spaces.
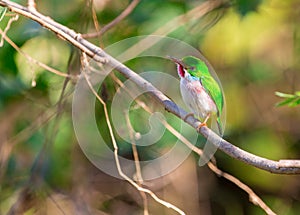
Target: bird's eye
{"x":192,"y":68}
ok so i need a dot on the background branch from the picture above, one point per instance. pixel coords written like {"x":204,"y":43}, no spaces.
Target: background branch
{"x":96,"y":53}
{"x":114,"y":22}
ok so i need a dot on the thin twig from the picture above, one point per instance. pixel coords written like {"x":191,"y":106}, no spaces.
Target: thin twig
{"x":171,"y":26}
{"x":136,"y":161}
{"x":10,"y":21}
{"x":31,"y":5}
{"x":135,"y":152}
{"x":34,"y":61}
{"x":94,"y":15}
{"x":255,"y":199}
{"x":121,"y":173}
{"x":114,"y":22}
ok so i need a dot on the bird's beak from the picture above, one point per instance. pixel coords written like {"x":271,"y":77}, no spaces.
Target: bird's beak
{"x":176,"y":60}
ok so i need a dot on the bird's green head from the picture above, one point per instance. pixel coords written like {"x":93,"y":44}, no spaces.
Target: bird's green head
{"x":192,"y":65}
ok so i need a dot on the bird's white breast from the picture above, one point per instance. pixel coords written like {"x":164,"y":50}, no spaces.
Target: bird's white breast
{"x":196,"y":98}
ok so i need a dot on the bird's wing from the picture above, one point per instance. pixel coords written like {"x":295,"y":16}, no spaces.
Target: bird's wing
{"x":214,"y":90}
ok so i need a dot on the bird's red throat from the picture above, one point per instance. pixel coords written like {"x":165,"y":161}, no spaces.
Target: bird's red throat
{"x":180,"y":70}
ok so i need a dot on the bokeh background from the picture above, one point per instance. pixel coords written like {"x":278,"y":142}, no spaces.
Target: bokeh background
{"x":254,"y":47}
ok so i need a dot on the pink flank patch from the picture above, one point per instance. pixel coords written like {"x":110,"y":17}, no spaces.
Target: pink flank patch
{"x":198,"y":87}
{"x":180,"y":70}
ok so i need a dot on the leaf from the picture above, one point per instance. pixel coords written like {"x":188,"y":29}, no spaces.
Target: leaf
{"x":285,"y":102}
{"x":289,"y":99}
{"x":2,"y":12}
{"x":295,"y":103}
{"x":284,"y":95}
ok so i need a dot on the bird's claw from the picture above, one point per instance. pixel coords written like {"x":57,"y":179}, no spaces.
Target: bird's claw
{"x":201,"y":125}
{"x":187,"y":116}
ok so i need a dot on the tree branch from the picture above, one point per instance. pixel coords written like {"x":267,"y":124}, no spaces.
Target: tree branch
{"x":96,"y":53}
{"x":114,"y":22}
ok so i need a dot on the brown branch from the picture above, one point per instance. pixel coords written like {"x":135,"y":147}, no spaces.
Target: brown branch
{"x":94,"y":15}
{"x":114,"y":22}
{"x":96,"y":53}
{"x":139,"y":177}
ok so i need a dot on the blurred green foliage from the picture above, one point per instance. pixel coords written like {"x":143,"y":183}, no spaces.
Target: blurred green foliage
{"x":291,"y":100}
{"x":244,"y":7}
{"x":253,"y":47}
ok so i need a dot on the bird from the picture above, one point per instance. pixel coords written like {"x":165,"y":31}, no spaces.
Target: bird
{"x":199,"y":90}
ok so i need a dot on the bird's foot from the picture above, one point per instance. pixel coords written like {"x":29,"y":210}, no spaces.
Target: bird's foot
{"x":201,"y":125}
{"x":187,"y":116}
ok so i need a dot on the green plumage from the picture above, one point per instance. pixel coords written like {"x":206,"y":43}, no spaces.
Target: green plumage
{"x":198,"y":68}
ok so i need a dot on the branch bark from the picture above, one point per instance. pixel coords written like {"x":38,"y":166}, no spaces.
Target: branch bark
{"x":97,"y":54}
